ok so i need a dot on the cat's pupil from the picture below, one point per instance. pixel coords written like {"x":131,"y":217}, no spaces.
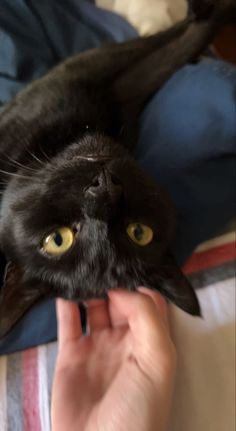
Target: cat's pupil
{"x":58,"y":239}
{"x":138,"y":232}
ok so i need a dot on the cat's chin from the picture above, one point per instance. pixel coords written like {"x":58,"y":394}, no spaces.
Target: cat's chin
{"x":84,"y":297}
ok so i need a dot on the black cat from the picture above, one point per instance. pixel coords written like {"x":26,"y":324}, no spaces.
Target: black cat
{"x":77,"y":215}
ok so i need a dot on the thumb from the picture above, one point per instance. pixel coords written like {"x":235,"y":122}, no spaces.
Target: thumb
{"x":153,"y":348}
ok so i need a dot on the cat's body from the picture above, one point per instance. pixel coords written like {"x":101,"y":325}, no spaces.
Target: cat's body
{"x":77,"y":215}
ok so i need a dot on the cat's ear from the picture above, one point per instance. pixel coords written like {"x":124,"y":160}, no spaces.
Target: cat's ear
{"x":16,"y":297}
{"x":176,"y":287}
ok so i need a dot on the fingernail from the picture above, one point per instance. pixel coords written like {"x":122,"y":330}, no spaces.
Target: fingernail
{"x":113,"y":292}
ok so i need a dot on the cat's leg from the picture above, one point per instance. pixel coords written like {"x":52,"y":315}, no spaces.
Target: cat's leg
{"x":89,"y":76}
{"x":187,"y":143}
{"x":149,"y":63}
{"x":124,"y":75}
{"x":153,"y":70}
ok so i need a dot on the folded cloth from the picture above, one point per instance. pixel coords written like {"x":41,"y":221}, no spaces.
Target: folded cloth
{"x":187,"y":131}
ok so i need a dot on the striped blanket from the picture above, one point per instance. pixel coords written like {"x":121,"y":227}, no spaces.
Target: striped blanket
{"x":204,"y":397}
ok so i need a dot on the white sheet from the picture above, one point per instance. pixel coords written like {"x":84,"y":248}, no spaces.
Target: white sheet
{"x":205,"y":388}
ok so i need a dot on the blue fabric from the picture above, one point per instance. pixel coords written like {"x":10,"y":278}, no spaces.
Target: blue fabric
{"x":187,"y":131}
{"x":187,"y":143}
{"x":36,"y":35}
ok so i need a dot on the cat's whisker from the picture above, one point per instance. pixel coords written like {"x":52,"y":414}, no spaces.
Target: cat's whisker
{"x":43,"y":152}
{"x":18,"y":164}
{"x":36,"y":158}
{"x":11,"y":174}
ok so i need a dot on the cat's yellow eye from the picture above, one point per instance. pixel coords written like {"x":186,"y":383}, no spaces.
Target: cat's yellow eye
{"x":58,"y":242}
{"x":140,"y":233}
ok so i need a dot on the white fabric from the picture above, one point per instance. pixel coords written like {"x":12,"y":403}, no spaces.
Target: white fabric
{"x":44,"y":404}
{"x":3,"y":392}
{"x":205,"y":391}
{"x":148,"y":16}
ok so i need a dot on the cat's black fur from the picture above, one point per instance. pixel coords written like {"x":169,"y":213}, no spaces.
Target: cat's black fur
{"x":69,"y":132}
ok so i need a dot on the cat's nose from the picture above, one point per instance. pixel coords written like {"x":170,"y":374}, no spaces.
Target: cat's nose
{"x":105,"y":183}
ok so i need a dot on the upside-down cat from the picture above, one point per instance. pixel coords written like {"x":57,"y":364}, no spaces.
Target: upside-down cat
{"x":77,"y":215}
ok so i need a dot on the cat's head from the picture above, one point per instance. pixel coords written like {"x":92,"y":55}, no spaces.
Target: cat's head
{"x":85,"y":221}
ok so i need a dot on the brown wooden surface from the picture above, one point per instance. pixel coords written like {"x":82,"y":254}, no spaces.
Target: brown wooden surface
{"x":225,"y":44}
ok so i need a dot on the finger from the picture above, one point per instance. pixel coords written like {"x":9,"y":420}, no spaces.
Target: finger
{"x":68,"y":321}
{"x":159,"y":301}
{"x":138,"y":309}
{"x":151,"y":341}
{"x":117,"y":317}
{"x":97,"y":315}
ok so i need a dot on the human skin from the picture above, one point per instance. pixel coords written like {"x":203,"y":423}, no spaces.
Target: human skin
{"x":119,"y":376}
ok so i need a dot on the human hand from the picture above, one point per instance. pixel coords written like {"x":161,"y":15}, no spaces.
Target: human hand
{"x":120,"y":376}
